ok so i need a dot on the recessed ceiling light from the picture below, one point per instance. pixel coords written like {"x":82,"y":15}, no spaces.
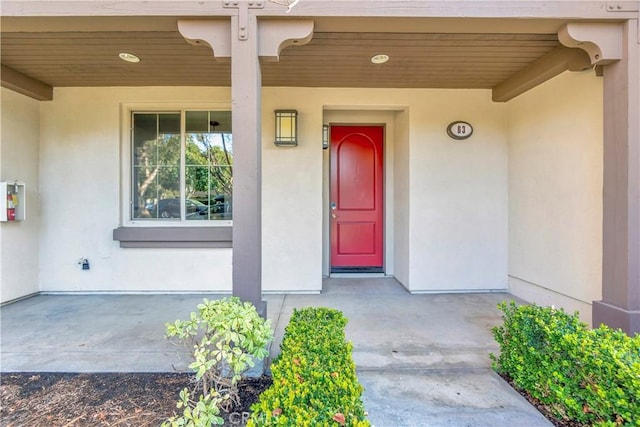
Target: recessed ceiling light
{"x":379,"y":59}
{"x":129,"y":57}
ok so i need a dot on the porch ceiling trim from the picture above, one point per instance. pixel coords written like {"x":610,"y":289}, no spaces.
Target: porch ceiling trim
{"x":586,"y":9}
{"x":510,"y":63}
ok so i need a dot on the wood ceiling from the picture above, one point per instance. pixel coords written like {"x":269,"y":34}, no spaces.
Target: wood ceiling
{"x":331,"y":59}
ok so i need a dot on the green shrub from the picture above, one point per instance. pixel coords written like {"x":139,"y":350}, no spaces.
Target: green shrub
{"x":203,"y":413}
{"x":226,"y":335}
{"x":589,"y":376}
{"x":314,"y":377}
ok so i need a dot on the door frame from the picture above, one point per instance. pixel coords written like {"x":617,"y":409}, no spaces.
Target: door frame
{"x":384,"y":118}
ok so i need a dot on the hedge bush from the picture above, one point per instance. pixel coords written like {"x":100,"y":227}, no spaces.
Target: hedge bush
{"x":314,"y":377}
{"x":584,"y":375}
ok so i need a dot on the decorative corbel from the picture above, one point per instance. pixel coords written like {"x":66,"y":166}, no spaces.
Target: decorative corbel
{"x":208,"y":32}
{"x":601,"y":40}
{"x":276,"y":34}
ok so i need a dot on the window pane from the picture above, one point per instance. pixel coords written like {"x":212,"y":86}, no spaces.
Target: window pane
{"x":197,"y":184}
{"x":169,"y":123}
{"x":145,"y":135}
{"x":168,"y":205}
{"x":197,"y":121}
{"x":168,"y":150}
{"x":156,"y":162}
{"x":224,"y":152}
{"x":209,"y":173}
{"x":145,"y":161}
{"x":223,"y":118}
{"x":221,"y":205}
{"x":146,"y":195}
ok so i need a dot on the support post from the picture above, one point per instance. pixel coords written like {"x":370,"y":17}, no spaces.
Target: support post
{"x":246,"y":83}
{"x":620,"y":305}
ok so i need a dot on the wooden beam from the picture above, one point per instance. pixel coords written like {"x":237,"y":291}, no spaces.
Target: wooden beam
{"x":550,"y":65}
{"x":21,"y":83}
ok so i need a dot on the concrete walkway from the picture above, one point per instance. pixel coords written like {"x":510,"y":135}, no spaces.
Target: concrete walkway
{"x":423,"y":359}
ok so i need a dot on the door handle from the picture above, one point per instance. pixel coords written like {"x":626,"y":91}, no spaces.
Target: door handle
{"x":334,"y":215}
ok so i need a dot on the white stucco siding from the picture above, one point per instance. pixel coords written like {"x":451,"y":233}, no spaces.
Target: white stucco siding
{"x":458,"y":194}
{"x":445,"y":201}
{"x":450,"y":198}
{"x":401,"y":198}
{"x":555,"y":192}
{"x":80,"y":187}
{"x":20,"y":124}
{"x":292,"y":196}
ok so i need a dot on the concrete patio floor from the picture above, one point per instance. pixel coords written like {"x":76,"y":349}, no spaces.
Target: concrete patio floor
{"x":423,"y":359}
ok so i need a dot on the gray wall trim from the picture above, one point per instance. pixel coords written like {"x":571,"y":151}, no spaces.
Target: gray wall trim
{"x":616,"y":317}
{"x":23,"y":297}
{"x":174,"y":237}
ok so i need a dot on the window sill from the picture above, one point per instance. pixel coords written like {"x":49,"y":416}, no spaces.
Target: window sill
{"x":173,"y":237}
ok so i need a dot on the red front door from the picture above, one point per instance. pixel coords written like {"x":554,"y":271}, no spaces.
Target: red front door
{"x":356,"y":198}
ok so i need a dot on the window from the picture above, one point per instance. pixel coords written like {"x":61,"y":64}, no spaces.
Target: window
{"x":182,"y":166}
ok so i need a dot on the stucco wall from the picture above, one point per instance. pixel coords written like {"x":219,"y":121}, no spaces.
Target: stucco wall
{"x":292,"y":196}
{"x":454,"y":230}
{"x":458,"y":194}
{"x":446,"y":200}
{"x":401,"y":199}
{"x":555,"y":192}
{"x":80,"y":158}
{"x":20,"y":124}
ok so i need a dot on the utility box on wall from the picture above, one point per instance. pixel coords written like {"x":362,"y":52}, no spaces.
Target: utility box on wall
{"x":13,"y":205}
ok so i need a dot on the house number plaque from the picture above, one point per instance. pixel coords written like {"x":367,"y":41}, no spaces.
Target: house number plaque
{"x":459,"y":130}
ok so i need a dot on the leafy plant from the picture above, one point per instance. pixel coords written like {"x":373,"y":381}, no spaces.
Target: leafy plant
{"x":227,"y":335}
{"x":314,"y":379}
{"x":589,"y":376}
{"x":203,"y":413}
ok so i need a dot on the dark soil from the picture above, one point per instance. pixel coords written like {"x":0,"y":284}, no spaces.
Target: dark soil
{"x":131,"y":399}
{"x":543,"y":409}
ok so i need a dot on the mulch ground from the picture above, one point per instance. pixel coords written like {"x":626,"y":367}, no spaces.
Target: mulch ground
{"x":131,"y":399}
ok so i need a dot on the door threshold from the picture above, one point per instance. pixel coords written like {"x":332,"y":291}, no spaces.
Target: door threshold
{"x":357,"y":269}
{"x":356,"y":275}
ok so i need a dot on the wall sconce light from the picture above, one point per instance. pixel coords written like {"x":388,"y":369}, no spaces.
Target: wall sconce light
{"x":286,"y":128}
{"x":325,"y":137}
